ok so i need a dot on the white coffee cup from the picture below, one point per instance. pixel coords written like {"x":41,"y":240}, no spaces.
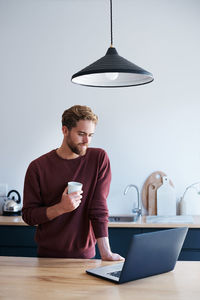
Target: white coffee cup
{"x":74,"y":186}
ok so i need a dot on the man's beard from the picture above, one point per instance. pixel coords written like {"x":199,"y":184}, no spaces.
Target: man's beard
{"x":76,"y":148}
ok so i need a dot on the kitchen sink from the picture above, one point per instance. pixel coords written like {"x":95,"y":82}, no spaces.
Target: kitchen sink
{"x":123,"y":218}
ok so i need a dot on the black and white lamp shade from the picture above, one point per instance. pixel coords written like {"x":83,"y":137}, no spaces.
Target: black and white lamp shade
{"x":112,"y":70}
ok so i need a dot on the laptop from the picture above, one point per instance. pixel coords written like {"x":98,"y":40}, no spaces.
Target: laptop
{"x":148,"y":254}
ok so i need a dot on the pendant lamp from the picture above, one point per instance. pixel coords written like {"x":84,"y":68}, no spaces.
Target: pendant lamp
{"x":112,"y":70}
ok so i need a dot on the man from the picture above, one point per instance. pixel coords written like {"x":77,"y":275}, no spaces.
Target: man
{"x":70,"y":224}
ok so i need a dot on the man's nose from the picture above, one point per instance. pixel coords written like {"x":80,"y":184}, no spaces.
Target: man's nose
{"x":85,"y":139}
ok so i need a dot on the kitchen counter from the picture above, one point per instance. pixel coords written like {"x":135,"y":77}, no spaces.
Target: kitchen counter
{"x":12,"y":220}
{"x":49,"y":278}
{"x":141,"y":223}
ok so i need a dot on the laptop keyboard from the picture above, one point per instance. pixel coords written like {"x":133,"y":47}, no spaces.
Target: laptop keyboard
{"x":115,"y":274}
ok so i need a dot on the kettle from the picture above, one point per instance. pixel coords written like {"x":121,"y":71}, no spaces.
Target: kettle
{"x":12,"y":206}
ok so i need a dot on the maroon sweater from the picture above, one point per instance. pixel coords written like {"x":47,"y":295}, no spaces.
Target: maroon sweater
{"x":72,"y":234}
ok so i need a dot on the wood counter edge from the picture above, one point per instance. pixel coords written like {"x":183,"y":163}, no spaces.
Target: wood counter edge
{"x":18,"y":221}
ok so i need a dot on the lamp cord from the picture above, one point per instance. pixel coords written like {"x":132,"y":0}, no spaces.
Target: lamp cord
{"x":111,"y":25}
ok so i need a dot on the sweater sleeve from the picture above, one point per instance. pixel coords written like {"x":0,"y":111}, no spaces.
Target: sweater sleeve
{"x":33,"y":211}
{"x":98,"y":212}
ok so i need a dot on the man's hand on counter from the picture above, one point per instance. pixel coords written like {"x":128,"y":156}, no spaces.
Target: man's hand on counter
{"x":105,"y":251}
{"x":112,"y":257}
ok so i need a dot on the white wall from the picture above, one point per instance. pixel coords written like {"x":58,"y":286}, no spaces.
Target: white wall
{"x":144,"y":129}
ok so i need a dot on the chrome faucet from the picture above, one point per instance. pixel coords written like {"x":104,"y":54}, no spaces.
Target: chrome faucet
{"x":137,"y":210}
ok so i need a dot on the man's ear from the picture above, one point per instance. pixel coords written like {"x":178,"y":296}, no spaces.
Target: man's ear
{"x":65,"y":130}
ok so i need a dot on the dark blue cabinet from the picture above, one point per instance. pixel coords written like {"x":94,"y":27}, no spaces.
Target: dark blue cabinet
{"x":120,"y":239}
{"x":19,"y":241}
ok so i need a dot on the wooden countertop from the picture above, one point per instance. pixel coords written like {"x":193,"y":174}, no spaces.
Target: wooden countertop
{"x":49,"y":278}
{"x":141,"y":223}
{"x":12,"y":220}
